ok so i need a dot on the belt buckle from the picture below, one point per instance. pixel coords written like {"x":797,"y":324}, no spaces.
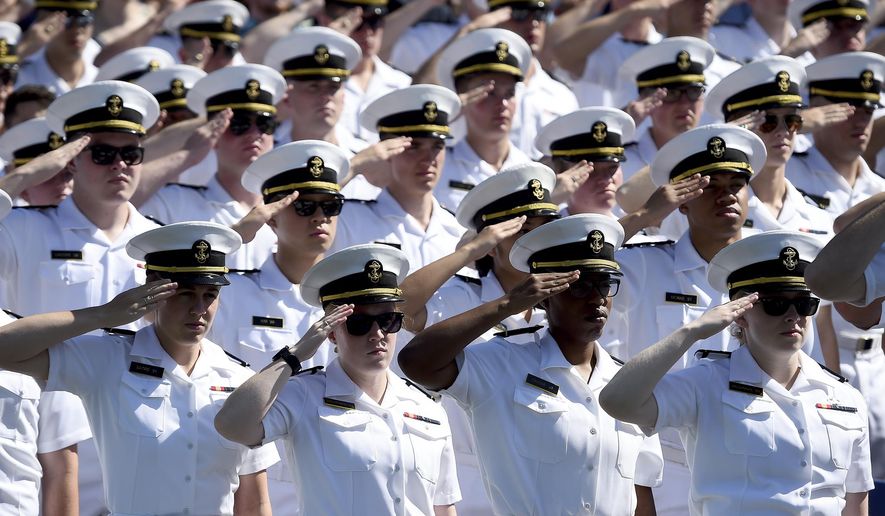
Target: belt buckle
{"x":865,"y":343}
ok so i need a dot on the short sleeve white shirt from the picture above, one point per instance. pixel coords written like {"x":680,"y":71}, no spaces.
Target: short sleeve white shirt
{"x":814,"y":175}
{"x":36,"y":70}
{"x":384,"y":80}
{"x":464,"y":169}
{"x":542,"y":100}
{"x":155,"y":433}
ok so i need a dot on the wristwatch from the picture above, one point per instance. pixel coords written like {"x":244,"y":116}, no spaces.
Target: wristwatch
{"x":289,"y":359}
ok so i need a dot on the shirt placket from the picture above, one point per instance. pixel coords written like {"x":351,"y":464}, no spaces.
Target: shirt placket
{"x":189,"y":425}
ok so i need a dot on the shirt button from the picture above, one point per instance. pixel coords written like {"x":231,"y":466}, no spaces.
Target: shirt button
{"x":190,"y":446}
{"x":541,"y":405}
{"x":384,"y":416}
{"x":396,"y":468}
{"x":795,"y":403}
{"x":589,"y":467}
{"x":587,"y":506}
{"x":803,"y":492}
{"x":589,"y":399}
{"x":803,"y":463}
{"x":801,"y":431}
{"x":187,"y":478}
{"x":592,"y":431}
{"x":190,"y":414}
{"x":397,"y":499}
{"x":393,"y":438}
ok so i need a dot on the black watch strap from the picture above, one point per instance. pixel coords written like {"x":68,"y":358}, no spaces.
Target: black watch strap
{"x":289,"y":359}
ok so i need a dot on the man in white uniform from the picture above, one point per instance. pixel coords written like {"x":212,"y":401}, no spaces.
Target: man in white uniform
{"x":209,"y":33}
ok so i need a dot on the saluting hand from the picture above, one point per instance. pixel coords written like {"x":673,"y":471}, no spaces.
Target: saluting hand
{"x":718,"y":318}
{"x":258,"y":216}
{"x":668,"y":197}
{"x":538,"y":287}
{"x":42,"y":168}
{"x":492,"y":235}
{"x":134,"y":303}
{"x":568,"y":182}
{"x":750,"y":121}
{"x":319,"y":331}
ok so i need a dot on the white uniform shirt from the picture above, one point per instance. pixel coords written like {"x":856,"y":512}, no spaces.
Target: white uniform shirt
{"x":56,"y":259}
{"x":749,"y":42}
{"x":814,"y":175}
{"x":599,"y":86}
{"x":385,"y":222}
{"x":262,"y":312}
{"x":536,"y":452}
{"x":31,"y":422}
{"x":384,"y":80}
{"x":542,"y":100}
{"x":212,"y":203}
{"x":155,"y":433}
{"x":797,"y":214}
{"x":464,"y":169}
{"x":35,"y":70}
{"x":419,"y":42}
{"x":367,"y":459}
{"x":639,"y":153}
{"x":756,"y":448}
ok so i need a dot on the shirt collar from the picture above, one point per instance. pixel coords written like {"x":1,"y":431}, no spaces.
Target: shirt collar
{"x":744,"y":369}
{"x":490,"y":288}
{"x":70,"y":216}
{"x":686,"y":256}
{"x":147,"y":345}
{"x":339,"y":385}
{"x":272,"y":278}
{"x":551,"y":355}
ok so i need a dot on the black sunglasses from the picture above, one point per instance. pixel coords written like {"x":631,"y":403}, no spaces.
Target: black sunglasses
{"x":331,"y":208}
{"x":585,"y":288}
{"x":521,"y":15}
{"x":793,"y":123}
{"x":692,"y":93}
{"x":361,"y":324}
{"x":103,"y":154}
{"x":775,"y":306}
{"x":240,"y":124}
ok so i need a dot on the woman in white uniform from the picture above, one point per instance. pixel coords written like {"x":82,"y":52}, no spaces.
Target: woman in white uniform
{"x":766,"y":429}
{"x":359,"y":439}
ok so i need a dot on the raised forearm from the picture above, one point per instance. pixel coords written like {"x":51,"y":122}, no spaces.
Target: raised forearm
{"x":239,"y":420}
{"x":26,"y":338}
{"x":571,"y":51}
{"x":158,"y":173}
{"x":419,"y":286}
{"x":398,"y":22}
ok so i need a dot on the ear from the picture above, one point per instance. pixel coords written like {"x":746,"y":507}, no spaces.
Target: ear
{"x":742,"y":322}
{"x":332,"y":337}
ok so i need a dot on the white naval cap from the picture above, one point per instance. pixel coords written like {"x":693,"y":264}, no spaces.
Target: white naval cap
{"x":853,"y":77}
{"x":579,"y":242}
{"x":484,"y":51}
{"x":803,"y":13}
{"x":420,"y":110}
{"x":170,"y":85}
{"x":249,"y":87}
{"x":308,"y":166}
{"x":514,"y":191}
{"x":105,"y":106}
{"x":134,"y":63}
{"x":219,"y":20}
{"x":187,"y":252}
{"x":773,"y":260}
{"x":28,"y":140}
{"x":591,"y":133}
{"x":5,"y":204}
{"x":314,"y":53}
{"x":767,"y":83}
{"x":674,"y":61}
{"x":10,"y":33}
{"x":706,"y":150}
{"x":362,"y":274}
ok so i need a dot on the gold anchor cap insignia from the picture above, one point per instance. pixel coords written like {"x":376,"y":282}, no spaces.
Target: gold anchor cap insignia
{"x":783,"y":81}
{"x":716,"y":147}
{"x":176,"y":88}
{"x":4,"y":47}
{"x":536,"y":188}
{"x":430,"y":111}
{"x":373,"y":270}
{"x":54,"y":141}
{"x":201,"y":250}
{"x":227,"y":23}
{"x":253,"y":88}
{"x":866,"y":79}
{"x":600,"y":131}
{"x":321,"y":54}
{"x":114,"y":104}
{"x":153,"y":65}
{"x":501,"y":50}
{"x":789,"y":257}
{"x":315,"y":166}
{"x":597,"y":240}
{"x":683,"y":60}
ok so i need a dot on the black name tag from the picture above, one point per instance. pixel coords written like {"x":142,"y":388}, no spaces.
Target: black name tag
{"x":675,"y":297}
{"x":458,"y":185}
{"x":150,"y":370}
{"x":66,"y":255}
{"x":343,"y":405}
{"x":742,"y":387}
{"x":540,"y":383}
{"x":271,"y":322}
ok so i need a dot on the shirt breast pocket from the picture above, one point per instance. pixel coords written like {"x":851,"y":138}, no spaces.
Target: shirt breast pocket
{"x":67,"y":283}
{"x":143,"y":405}
{"x":428,"y":441}
{"x":265,"y":339}
{"x":748,"y":424}
{"x":629,"y":442}
{"x":540,"y":425}
{"x":843,"y":429}
{"x":16,"y":392}
{"x":347,"y":444}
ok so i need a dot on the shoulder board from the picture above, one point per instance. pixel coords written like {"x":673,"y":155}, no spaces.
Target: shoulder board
{"x":729,"y":58}
{"x":834,"y":373}
{"x":732,"y":23}
{"x":118,"y":331}
{"x":631,"y":144}
{"x":801,"y":154}
{"x":711,"y":353}
{"x":469,"y":279}
{"x":660,"y":243}
{"x":519,"y":331}
{"x":152,"y":219}
{"x":820,"y":201}
{"x":12,"y":314}
{"x":198,"y":188}
{"x":460,"y":185}
{"x":414,"y":385}
{"x":635,"y":42}
{"x":244,"y":271}
{"x":30,"y":207}
{"x":310,"y":370}
{"x":617,"y":360}
{"x":367,"y":202}
{"x":236,"y":358}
